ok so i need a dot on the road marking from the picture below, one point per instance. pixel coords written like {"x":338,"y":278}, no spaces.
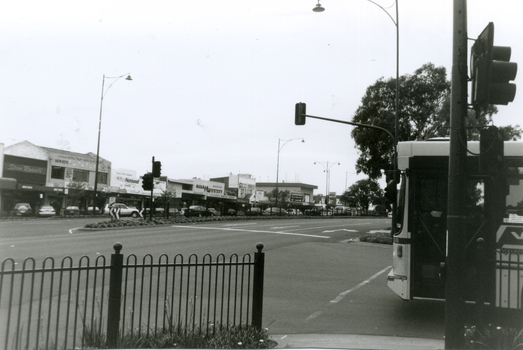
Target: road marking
{"x":344,"y":294}
{"x":343,"y":229}
{"x":248,"y":224}
{"x":252,"y":231}
{"x":74,"y":229}
{"x":314,"y":315}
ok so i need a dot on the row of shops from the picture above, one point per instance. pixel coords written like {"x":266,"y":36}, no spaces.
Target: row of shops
{"x":46,"y":176}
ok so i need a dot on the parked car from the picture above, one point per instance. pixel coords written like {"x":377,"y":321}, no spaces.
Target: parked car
{"x":254,"y":212}
{"x":124,"y":210}
{"x":294,"y":212}
{"x":72,"y":210}
{"x":341,"y":210}
{"x":314,"y":211}
{"x":89,"y":210}
{"x":46,"y":210}
{"x":199,"y":211}
{"x":23,"y":209}
{"x":214,"y":211}
{"x":275,"y":211}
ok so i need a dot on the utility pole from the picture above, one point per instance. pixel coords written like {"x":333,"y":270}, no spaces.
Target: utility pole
{"x":457,"y":213}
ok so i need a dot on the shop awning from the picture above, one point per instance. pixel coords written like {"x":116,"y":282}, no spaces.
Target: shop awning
{"x":7,"y":183}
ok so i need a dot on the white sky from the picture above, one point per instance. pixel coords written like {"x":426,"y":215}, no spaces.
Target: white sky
{"x":215,"y":82}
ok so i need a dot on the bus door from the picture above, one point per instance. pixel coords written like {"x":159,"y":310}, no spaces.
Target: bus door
{"x":428,"y":226}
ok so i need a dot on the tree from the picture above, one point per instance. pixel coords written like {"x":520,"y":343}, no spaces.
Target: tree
{"x":283,"y":195}
{"x":424,"y":112}
{"x":422,"y":97}
{"x":362,"y":194}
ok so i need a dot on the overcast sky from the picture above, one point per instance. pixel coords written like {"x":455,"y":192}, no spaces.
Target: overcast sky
{"x":215,"y":82}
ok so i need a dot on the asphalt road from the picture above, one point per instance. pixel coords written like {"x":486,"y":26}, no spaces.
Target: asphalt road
{"x":317,"y":279}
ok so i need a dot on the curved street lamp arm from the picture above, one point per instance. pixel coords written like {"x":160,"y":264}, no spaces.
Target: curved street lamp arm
{"x":395,"y":21}
{"x":287,"y":141}
{"x":117,"y":78}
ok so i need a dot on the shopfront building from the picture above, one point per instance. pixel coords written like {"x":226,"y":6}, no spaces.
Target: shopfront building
{"x":48,"y":176}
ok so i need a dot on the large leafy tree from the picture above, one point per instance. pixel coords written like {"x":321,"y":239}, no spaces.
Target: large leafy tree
{"x":362,"y":194}
{"x":422,"y":98}
{"x":424,"y":112}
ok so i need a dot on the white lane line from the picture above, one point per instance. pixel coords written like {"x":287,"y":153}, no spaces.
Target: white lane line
{"x":253,"y":231}
{"x":74,"y":229}
{"x":344,"y":294}
{"x":314,"y":315}
{"x":249,"y":224}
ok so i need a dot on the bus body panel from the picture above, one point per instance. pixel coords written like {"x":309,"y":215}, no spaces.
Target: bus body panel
{"x":420,"y":245}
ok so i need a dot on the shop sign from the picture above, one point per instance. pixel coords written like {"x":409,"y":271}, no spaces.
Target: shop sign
{"x":296,"y":197}
{"x":29,"y":169}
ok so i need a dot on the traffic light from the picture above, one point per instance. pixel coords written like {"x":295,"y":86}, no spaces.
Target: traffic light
{"x":491,"y":71}
{"x":299,"y":118}
{"x":147,"y":182}
{"x":157,"y":169}
{"x":490,"y":151}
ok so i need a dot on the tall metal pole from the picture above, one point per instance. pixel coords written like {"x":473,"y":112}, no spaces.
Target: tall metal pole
{"x":99,"y":132}
{"x":152,"y":192}
{"x":98,"y":148}
{"x":277,"y":172}
{"x":456,"y":216}
{"x":278,"y":164}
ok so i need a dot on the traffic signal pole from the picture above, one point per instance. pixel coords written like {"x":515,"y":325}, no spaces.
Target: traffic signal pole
{"x":456,"y":216}
{"x":152,"y":190}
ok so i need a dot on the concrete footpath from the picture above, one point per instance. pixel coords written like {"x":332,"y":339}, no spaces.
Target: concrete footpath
{"x":352,"y":341}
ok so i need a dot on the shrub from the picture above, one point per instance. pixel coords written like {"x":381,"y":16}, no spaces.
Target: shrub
{"x":493,"y":338}
{"x":377,"y":237}
{"x":232,"y":337}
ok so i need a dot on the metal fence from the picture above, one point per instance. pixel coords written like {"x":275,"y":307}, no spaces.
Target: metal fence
{"x":63,"y":306}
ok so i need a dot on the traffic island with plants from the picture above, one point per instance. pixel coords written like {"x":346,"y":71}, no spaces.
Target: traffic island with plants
{"x":220,"y":337}
{"x":378,"y":236}
{"x":180,"y":219}
{"x":492,"y":337}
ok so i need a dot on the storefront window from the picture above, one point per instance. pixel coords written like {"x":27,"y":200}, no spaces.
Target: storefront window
{"x":80,"y":175}
{"x":57,"y":172}
{"x":102,"y":178}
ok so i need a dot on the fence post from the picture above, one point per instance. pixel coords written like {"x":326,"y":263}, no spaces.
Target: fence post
{"x":257,"y":287}
{"x":115,"y":290}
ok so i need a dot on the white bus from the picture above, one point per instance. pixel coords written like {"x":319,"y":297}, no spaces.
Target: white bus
{"x":494,"y":215}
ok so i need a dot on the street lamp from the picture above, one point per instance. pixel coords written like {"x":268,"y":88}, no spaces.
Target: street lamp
{"x":327,"y":168}
{"x":396,"y":117}
{"x":318,"y":8}
{"x":278,"y":162}
{"x":396,"y":22}
{"x":99,"y":131}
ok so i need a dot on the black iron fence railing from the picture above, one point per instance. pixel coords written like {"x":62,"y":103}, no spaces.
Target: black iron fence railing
{"x":62,"y":305}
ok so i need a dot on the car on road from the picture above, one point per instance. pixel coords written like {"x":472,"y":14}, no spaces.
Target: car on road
{"x":275,"y":211}
{"x":254,"y":212}
{"x":124,"y":210}
{"x":23,"y":209}
{"x":198,"y":211}
{"x":294,"y":212}
{"x":46,"y":210}
{"x":72,"y":210}
{"x":341,"y":210}
{"x":314,"y":211}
